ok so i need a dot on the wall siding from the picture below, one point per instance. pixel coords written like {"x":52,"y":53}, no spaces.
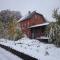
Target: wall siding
{"x":36,"y":19}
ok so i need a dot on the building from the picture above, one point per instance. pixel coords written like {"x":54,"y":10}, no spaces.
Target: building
{"x":33,"y":25}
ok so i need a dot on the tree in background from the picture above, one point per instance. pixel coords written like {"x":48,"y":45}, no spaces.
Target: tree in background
{"x":8,"y":19}
{"x":6,"y":14}
{"x":56,"y":15}
{"x":54,"y":29}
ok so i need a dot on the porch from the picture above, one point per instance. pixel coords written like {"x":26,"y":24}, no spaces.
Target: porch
{"x":38,"y":32}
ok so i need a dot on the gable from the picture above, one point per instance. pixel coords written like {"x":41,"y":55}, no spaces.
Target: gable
{"x":39,"y":17}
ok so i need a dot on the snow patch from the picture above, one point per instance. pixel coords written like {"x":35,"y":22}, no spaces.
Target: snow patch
{"x":34,"y":48}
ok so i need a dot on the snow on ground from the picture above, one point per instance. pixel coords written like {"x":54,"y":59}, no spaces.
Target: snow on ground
{"x":5,"y":55}
{"x":34,"y":48}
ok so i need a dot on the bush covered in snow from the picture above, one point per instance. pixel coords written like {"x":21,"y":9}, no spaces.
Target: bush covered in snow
{"x":54,"y":28}
{"x":54,"y":33}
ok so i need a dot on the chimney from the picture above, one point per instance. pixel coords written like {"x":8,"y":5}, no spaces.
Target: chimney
{"x":29,"y":12}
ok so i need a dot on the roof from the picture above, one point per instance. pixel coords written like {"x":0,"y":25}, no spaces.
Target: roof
{"x":29,"y":15}
{"x":43,"y":24}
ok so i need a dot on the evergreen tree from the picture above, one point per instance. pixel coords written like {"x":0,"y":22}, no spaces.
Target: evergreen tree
{"x":54,"y":29}
{"x":7,"y":17}
{"x":56,"y":15}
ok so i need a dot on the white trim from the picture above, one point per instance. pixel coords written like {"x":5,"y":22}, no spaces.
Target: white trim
{"x":43,"y":24}
{"x":42,"y":37}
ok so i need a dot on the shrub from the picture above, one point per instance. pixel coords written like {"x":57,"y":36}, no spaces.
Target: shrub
{"x":53,"y":32}
{"x":19,"y":34}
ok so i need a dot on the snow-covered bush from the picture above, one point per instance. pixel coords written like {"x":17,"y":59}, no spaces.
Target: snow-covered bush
{"x":53,"y":32}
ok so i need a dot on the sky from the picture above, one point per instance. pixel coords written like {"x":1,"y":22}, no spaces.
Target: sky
{"x":44,"y":7}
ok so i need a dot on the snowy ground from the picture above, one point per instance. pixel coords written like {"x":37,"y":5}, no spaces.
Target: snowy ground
{"x":34,"y":48}
{"x":5,"y":55}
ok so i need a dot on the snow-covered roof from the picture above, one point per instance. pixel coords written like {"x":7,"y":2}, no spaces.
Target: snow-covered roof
{"x":43,"y":24}
{"x":29,"y":15}
{"x":24,"y":17}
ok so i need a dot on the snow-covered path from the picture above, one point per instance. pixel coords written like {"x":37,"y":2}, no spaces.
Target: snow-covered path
{"x":5,"y":55}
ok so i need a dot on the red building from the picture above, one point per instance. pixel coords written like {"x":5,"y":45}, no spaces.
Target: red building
{"x":33,"y":25}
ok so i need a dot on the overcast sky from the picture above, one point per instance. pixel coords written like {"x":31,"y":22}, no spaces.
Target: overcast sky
{"x":44,"y":7}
